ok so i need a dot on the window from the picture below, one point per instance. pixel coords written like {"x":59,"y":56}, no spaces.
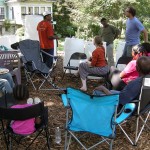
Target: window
{"x":42,"y":10}
{"x":13,"y":13}
{"x":49,"y":9}
{"x":23,"y":10}
{"x":2,"y":13}
{"x":30,"y":10}
{"x":36,"y":10}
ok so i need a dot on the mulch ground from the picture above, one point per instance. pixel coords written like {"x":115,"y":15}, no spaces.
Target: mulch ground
{"x":57,"y":118}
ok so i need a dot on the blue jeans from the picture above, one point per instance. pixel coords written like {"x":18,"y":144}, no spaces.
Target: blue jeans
{"x":100,"y":93}
{"x":110,"y":55}
{"x":127,"y":52}
{"x":9,"y":78}
{"x":6,"y":82}
{"x":47,"y":59}
{"x":5,"y":86}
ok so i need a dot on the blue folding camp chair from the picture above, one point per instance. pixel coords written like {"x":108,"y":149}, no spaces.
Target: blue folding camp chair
{"x":92,"y":114}
{"x":140,"y":109}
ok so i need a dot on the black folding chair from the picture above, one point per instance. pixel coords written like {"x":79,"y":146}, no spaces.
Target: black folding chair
{"x":33,"y":111}
{"x":75,"y":56}
{"x":123,"y":61}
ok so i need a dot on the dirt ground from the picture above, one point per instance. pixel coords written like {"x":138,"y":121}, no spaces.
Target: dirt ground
{"x":57,"y":118}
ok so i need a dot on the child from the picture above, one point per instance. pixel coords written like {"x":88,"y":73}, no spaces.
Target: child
{"x":21,"y":94}
{"x":97,"y":64}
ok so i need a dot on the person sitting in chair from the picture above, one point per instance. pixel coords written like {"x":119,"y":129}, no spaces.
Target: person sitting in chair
{"x":97,"y":64}
{"x":6,"y":82}
{"x":119,"y":79}
{"x":132,"y":90}
{"x":21,"y":94}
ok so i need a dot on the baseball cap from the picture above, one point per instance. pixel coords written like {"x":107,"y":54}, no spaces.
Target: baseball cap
{"x":47,"y":13}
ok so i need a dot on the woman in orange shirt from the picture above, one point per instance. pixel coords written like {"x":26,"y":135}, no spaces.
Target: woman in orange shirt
{"x":97,"y":64}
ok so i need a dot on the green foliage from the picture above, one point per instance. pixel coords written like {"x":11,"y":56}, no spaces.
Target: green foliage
{"x":63,"y":27}
{"x":20,"y":31}
{"x":83,"y":16}
{"x":7,"y":24}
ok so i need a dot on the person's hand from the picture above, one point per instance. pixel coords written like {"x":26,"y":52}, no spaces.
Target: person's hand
{"x":56,"y":37}
{"x":89,"y":63}
{"x":90,"y":59}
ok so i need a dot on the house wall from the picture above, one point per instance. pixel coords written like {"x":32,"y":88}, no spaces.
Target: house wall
{"x":14,"y":10}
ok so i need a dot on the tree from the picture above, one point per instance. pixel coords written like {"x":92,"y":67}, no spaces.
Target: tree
{"x":86,"y":14}
{"x":64,"y":27}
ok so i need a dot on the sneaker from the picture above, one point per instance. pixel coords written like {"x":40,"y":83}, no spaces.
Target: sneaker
{"x":30,"y":101}
{"x":36,"y":100}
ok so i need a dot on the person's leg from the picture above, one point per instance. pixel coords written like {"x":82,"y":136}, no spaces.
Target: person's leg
{"x":50,"y":62}
{"x":110,"y":55}
{"x":98,"y":93}
{"x":83,"y":71}
{"x":117,"y":83}
{"x":47,"y":59}
{"x":84,"y":86}
{"x":113,"y":70}
{"x":9,"y":78}
{"x":124,"y":54}
{"x":127,"y":52}
{"x":5,"y":86}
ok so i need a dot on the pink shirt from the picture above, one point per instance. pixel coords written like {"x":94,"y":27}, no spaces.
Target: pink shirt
{"x":130,"y":72}
{"x":23,"y":127}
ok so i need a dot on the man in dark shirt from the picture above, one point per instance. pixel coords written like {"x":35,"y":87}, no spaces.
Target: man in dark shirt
{"x":109,"y":33}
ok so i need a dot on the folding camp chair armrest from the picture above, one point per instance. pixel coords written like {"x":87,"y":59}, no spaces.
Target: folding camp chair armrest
{"x":135,"y":101}
{"x":126,"y":112}
{"x":55,"y":57}
{"x":65,"y":100}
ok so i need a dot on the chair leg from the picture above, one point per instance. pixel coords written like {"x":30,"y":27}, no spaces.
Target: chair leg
{"x":10,"y":142}
{"x":66,"y":134}
{"x":144,"y":124}
{"x":47,"y":138}
{"x":111,"y":144}
{"x":63,"y":75}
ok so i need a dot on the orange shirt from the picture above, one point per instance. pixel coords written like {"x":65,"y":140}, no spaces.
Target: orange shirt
{"x":98,"y":57}
{"x":45,"y":30}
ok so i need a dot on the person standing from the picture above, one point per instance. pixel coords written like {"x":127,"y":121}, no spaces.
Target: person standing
{"x":46,"y":37}
{"x":109,"y":33}
{"x":133,"y":29}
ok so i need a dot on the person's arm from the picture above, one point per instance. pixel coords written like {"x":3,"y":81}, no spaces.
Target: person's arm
{"x":145,"y":35}
{"x":103,"y":89}
{"x":130,"y":67}
{"x":50,"y":32}
{"x":115,"y":31}
{"x":122,"y":74}
{"x":53,"y":37}
{"x":89,"y":63}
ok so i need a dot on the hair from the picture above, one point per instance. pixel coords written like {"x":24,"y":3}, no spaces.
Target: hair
{"x":139,"y":51}
{"x":20,"y":92}
{"x":103,"y":19}
{"x":98,"y":40}
{"x":146,"y":46}
{"x":131,"y":10}
{"x":143,"y":65}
